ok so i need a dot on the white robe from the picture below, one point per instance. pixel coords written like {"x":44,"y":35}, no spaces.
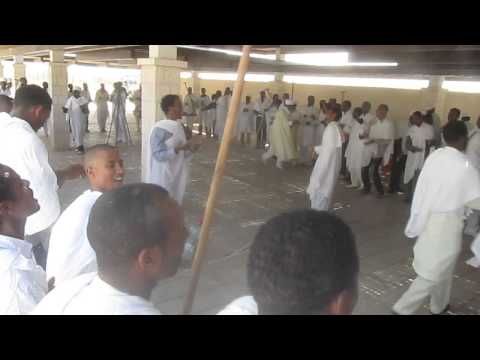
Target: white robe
{"x":171,"y":174}
{"x":244,"y":305}
{"x":327,"y":166}
{"x":246,"y":120}
{"x":23,"y":283}
{"x":223,"y":103}
{"x":355,"y":148}
{"x":310,"y":115}
{"x":447,"y":183}
{"x":101,"y":99}
{"x":473,"y":148}
{"x":23,"y":151}
{"x":347,"y":121}
{"x":320,"y":128}
{"x":204,"y":114}
{"x":69,"y":253}
{"x":382,"y":130}
{"x":78,"y":119}
{"x":270,"y":118}
{"x":281,"y":139}
{"x":87,"y":294}
{"x":419,"y":136}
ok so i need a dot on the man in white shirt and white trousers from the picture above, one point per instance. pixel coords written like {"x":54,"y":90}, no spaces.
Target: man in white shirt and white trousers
{"x":22,"y":150}
{"x":138,"y":234}
{"x":70,"y":253}
{"x":76,"y":107}
{"x":23,"y":283}
{"x":169,"y":153}
{"x":327,"y":166}
{"x":436,"y":220}
{"x":190,"y":108}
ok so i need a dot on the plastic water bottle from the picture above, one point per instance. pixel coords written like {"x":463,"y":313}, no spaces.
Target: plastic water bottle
{"x":191,"y":243}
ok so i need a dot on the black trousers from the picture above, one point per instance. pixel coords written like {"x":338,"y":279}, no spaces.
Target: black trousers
{"x":397,"y":171}
{"x":376,"y":163}
{"x":343,"y":169}
{"x":261,"y":127}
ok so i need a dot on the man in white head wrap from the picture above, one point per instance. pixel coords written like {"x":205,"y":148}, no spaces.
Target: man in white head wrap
{"x":76,"y":107}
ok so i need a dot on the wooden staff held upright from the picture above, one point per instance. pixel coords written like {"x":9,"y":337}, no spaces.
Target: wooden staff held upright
{"x":217,"y":177}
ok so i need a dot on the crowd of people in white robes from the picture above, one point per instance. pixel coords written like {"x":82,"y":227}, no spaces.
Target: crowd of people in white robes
{"x":105,"y":253}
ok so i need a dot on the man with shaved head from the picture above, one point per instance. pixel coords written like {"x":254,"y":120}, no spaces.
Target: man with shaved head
{"x":70,"y":254}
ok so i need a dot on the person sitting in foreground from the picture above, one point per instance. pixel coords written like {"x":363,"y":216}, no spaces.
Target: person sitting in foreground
{"x":301,"y":262}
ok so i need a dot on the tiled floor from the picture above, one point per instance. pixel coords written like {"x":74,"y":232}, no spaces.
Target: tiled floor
{"x":251,"y":193}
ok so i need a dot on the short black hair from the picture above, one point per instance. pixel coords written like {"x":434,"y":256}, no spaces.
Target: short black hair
{"x":300,"y":261}
{"x":457,"y":110}
{"x":337,"y":109}
{"x":418,"y":113}
{"x":383,"y":106}
{"x":32,"y":95}
{"x":168,"y":101}
{"x":125,"y":221}
{"x":348,"y":102}
{"x":454,"y":131}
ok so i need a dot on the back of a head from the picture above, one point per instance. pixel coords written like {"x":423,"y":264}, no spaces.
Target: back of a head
{"x":455,"y":134}
{"x":125,"y":221}
{"x":32,"y":95}
{"x":337,"y":109}
{"x":6,"y":103}
{"x":300,"y":263}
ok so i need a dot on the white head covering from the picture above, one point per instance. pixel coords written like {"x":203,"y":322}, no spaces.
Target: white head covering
{"x":77,"y":88}
{"x":290,"y":102}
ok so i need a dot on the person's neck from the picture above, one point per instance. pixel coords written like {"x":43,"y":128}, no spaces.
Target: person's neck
{"x":13,"y":228}
{"x":123,"y":281}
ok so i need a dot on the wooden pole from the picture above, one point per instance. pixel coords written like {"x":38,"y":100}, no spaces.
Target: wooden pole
{"x":217,"y":177}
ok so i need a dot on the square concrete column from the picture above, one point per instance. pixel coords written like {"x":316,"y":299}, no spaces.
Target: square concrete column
{"x":1,"y":70}
{"x":18,"y":69}
{"x":434,"y":96}
{"x":57,"y":81}
{"x":160,"y":76}
{"x":279,"y":86}
{"x":195,"y":83}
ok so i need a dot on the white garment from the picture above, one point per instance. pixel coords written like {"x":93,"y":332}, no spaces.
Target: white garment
{"x":473,"y":148}
{"x":310,"y":125}
{"x":320,"y":128}
{"x":119,"y":115}
{"x":69,"y":253}
{"x":23,"y":283}
{"x":244,"y":305}
{"x":368,"y":150}
{"x":327,"y":167}
{"x":419,"y":136}
{"x":23,"y":151}
{"x":101,"y":99}
{"x":87,"y":294}
{"x":448,"y":181}
{"x":354,"y":152}
{"x":189,"y":104}
{"x":86,"y":95}
{"x":382,"y":130}
{"x":5,"y":92}
{"x":223,"y":103}
{"x":173,"y":173}
{"x":204,"y":101}
{"x":347,"y":121}
{"x":246,"y":119}
{"x":475,"y":247}
{"x":78,"y":119}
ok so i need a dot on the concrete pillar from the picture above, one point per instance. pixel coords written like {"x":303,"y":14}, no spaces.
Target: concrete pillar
{"x":434,"y":96}
{"x":160,"y":76}
{"x":1,"y":70}
{"x":195,"y":83}
{"x":279,"y":86}
{"x":18,"y":69}
{"x":57,"y":83}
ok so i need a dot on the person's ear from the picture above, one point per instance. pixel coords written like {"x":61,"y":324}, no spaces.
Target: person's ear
{"x":150,"y":260}
{"x":89,"y":171}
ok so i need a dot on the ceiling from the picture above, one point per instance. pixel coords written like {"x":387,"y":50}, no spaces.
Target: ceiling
{"x":447,"y":60}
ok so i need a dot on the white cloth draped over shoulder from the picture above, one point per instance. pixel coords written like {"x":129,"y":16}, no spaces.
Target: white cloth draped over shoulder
{"x":23,"y":283}
{"x":23,"y":151}
{"x":69,"y":253}
{"x":88,"y":294}
{"x":168,"y":169}
{"x":327,"y":166}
